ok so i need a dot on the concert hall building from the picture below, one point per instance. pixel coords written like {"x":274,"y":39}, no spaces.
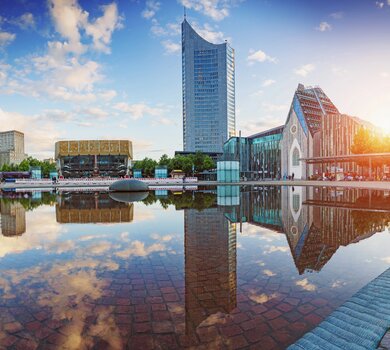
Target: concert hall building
{"x":91,"y":158}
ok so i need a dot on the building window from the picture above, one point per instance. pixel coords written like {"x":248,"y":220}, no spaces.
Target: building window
{"x":295,"y":157}
{"x":296,"y":202}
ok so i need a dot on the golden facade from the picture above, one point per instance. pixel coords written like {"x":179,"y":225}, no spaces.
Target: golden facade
{"x":83,"y":208}
{"x":93,"y":147}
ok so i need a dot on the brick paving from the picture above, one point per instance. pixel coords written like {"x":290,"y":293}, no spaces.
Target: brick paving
{"x":202,"y":299}
{"x":144,"y":306}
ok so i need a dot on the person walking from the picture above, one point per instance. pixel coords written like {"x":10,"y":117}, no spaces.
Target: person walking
{"x":292,"y":176}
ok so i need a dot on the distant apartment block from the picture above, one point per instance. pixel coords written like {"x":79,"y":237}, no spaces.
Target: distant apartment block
{"x":11,"y":147}
{"x":208,"y":81}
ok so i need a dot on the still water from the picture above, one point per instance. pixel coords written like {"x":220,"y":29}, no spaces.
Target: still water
{"x":218,"y":268}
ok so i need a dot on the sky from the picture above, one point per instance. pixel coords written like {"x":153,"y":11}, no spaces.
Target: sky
{"x":103,"y":69}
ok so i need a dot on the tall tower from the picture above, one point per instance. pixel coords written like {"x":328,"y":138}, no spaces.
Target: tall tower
{"x":209,"y":115}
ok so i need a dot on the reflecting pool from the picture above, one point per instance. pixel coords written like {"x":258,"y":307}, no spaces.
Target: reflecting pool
{"x":214,"y":268}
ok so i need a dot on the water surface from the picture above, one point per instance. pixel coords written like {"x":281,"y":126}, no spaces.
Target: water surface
{"x":224,"y":267}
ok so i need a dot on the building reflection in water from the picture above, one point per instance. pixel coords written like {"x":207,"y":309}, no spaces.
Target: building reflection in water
{"x":92,"y":208}
{"x":13,"y":218}
{"x":210,"y":265}
{"x":316,"y":221}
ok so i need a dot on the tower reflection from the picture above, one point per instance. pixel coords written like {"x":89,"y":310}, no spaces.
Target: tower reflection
{"x":210,"y":265}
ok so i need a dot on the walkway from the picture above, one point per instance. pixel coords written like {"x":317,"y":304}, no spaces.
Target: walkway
{"x":358,"y":324}
{"x":375,"y":185}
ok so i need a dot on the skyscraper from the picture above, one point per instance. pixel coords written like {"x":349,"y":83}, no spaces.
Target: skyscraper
{"x":209,"y":117}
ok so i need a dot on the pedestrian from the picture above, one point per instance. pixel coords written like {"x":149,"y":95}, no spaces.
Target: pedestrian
{"x":292,"y":176}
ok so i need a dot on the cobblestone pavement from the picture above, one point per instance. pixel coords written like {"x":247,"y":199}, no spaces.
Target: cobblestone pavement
{"x":144,"y":307}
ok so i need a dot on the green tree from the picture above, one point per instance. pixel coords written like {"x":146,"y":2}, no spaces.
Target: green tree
{"x":208,"y":163}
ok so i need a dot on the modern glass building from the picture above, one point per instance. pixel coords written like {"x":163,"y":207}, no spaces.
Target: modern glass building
{"x":208,"y":92}
{"x":258,"y":155}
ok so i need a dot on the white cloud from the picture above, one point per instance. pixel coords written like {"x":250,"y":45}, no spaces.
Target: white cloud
{"x":215,"y":9}
{"x":171,"y":47}
{"x":379,"y":4}
{"x":138,"y":248}
{"x":107,"y":95}
{"x":274,"y":249}
{"x":304,"y":70}
{"x":41,"y":141}
{"x":209,"y":33}
{"x":269,"y":273}
{"x":262,"y":298}
{"x":324,"y":26}
{"x":151,"y":8}
{"x":138,"y":110}
{"x":63,"y":73}
{"x":306,"y":285}
{"x":259,"y":56}
{"x":268,"y":82}
{"x":25,"y":21}
{"x":337,"y":15}
{"x":80,"y":77}
{"x":157,"y":29}
{"x":6,"y":38}
{"x":269,"y":107}
{"x":386,"y":260}
{"x":69,"y":18}
{"x":257,"y":93}
{"x":170,"y":29}
{"x":102,"y":28}
{"x":94,"y":112}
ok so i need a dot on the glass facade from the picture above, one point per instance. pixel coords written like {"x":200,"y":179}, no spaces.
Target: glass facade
{"x":161,"y":172}
{"x":137,"y":173}
{"x":259,"y":155}
{"x":228,"y":195}
{"x":228,"y":171}
{"x":36,"y":172}
{"x":208,"y":92}
{"x":93,"y":165}
{"x":265,"y":156}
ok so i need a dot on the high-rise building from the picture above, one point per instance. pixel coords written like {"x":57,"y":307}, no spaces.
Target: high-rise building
{"x":11,"y":147}
{"x":208,"y":92}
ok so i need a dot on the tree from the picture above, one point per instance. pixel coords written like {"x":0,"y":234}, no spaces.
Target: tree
{"x":147,"y":165}
{"x":164,"y":160}
{"x":208,"y":163}
{"x":362,"y":142}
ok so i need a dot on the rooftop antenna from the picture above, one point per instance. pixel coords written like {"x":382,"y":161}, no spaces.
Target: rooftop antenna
{"x":185,"y":12}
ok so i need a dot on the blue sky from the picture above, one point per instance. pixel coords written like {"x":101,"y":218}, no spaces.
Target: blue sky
{"x":94,"y":69}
